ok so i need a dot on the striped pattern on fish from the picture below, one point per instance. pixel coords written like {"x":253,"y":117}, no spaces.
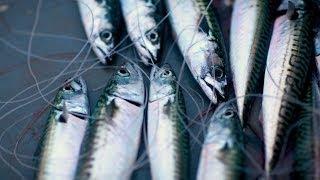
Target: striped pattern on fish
{"x":288,"y":62}
{"x":202,"y":51}
{"x":304,"y":162}
{"x":59,"y":147}
{"x":222,"y":156}
{"x":250,"y":35}
{"x":168,"y":141}
{"x":112,"y":141}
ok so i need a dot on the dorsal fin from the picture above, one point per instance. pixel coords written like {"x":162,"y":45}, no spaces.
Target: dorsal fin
{"x":291,"y":12}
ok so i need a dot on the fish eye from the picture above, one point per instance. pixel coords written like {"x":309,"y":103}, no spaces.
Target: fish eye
{"x":228,"y":113}
{"x":218,"y":72}
{"x":106,"y":35}
{"x":67,"y":87}
{"x":123,"y":72}
{"x":166,"y":73}
{"x":153,"y":36}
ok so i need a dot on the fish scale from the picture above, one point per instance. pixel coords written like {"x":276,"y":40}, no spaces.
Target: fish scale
{"x":251,"y":29}
{"x":288,"y":62}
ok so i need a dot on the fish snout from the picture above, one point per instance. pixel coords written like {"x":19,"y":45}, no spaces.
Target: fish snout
{"x":213,"y":88}
{"x":104,"y":50}
{"x":149,"y":53}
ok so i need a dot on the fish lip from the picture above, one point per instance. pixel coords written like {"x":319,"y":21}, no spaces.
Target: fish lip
{"x":79,"y":80}
{"x":214,"y":97}
{"x":103,"y":56}
{"x":211,"y":90}
{"x":147,"y":56}
{"x":79,"y":103}
{"x":83,"y":84}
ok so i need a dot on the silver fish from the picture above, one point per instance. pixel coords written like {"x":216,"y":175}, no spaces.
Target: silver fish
{"x":168,"y":141}
{"x":112,"y":140}
{"x":201,"y":51}
{"x":101,"y":23}
{"x":288,"y":62}
{"x":60,"y":145}
{"x":251,"y":29}
{"x":142,"y":20}
{"x":221,"y":156}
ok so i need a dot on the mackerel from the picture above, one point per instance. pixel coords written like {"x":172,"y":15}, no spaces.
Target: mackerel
{"x":251,"y":29}
{"x":168,"y":141}
{"x":203,"y":51}
{"x":289,"y":57}
{"x":101,"y":19}
{"x":142,"y":18}
{"x":59,"y":147}
{"x":307,"y":143}
{"x":113,"y":135}
{"x":221,"y":156}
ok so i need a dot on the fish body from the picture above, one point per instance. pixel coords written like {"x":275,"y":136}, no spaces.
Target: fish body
{"x":317,"y":46}
{"x":113,"y":135}
{"x":221,"y":156}
{"x":60,"y":145}
{"x":289,"y":57}
{"x":168,"y":140}
{"x":101,"y":19}
{"x":203,"y":52}
{"x":251,"y":29}
{"x":304,"y":157}
{"x":142,"y":18}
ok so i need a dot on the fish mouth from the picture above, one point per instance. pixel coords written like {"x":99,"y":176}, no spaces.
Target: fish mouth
{"x":77,"y":83}
{"x":103,"y":56}
{"x":131,"y":101}
{"x":213,"y":89}
{"x":147,"y":56}
{"x":80,"y":115}
{"x":77,"y":102}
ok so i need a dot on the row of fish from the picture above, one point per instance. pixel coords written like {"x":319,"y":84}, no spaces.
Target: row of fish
{"x":272,"y":48}
{"x":204,"y":50}
{"x":110,"y":138}
{"x":271,"y":53}
{"x":102,"y":23}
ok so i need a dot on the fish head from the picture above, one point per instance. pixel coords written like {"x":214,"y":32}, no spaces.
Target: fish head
{"x":213,"y":79}
{"x":148,"y":46}
{"x":104,"y":44}
{"x":162,"y":82}
{"x":127,"y":83}
{"x":73,"y":97}
{"x":224,"y":126}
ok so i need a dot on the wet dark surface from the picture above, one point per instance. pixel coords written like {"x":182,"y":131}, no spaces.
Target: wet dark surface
{"x":58,"y":38}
